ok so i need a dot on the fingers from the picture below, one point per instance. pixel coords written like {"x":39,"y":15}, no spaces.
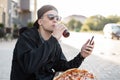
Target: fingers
{"x":87,"y":42}
{"x":87,"y":49}
{"x":61,"y":27}
{"x":92,"y":43}
{"x":58,"y":31}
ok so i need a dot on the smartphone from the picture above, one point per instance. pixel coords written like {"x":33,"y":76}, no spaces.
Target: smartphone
{"x":91,"y":39}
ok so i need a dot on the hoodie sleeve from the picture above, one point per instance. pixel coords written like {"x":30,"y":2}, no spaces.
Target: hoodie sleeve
{"x":62,"y":64}
{"x":29,"y":56}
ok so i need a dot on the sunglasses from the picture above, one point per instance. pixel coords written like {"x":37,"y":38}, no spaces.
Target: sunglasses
{"x":52,"y":17}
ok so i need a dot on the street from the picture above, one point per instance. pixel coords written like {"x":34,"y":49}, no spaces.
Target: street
{"x":105,"y":59}
{"x":104,"y":63}
{"x":105,"y":48}
{"x":6,"y":49}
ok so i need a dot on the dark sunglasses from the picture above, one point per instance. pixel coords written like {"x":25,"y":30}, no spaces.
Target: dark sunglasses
{"x":52,"y":17}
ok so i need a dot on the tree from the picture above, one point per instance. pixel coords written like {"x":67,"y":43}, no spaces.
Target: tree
{"x":1,"y":25}
{"x":77,"y":26}
{"x":96,"y":22}
{"x":30,"y":24}
{"x":74,"y":25}
{"x":113,"y":19}
{"x":71,"y":24}
{"x":85,"y":27}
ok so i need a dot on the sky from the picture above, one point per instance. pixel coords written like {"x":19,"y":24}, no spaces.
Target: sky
{"x":84,"y":7}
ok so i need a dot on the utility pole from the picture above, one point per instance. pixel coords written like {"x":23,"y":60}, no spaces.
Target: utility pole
{"x":35,"y":9}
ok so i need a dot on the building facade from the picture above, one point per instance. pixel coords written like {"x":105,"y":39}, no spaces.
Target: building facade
{"x":25,"y":12}
{"x":17,"y":12}
{"x":5,"y":12}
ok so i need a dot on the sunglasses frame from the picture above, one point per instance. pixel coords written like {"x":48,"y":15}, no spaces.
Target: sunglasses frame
{"x":52,"y":17}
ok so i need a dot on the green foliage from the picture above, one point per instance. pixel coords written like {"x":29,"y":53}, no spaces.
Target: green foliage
{"x":15,"y":26}
{"x":85,"y":28}
{"x":74,"y":25}
{"x":93,"y":23}
{"x":30,"y":24}
{"x":1,"y":25}
{"x":113,"y":19}
{"x":96,"y":22}
{"x":77,"y":25}
{"x":71,"y":24}
{"x":118,"y":22}
{"x":15,"y":31}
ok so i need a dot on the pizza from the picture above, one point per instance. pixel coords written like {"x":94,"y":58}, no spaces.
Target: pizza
{"x":75,"y":74}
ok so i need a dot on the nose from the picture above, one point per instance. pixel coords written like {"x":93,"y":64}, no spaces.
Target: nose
{"x":55,"y":19}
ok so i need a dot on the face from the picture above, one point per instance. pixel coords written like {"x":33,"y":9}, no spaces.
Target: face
{"x":49,"y":20}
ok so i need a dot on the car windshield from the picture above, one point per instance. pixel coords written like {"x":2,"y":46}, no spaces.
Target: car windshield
{"x":116,"y":27}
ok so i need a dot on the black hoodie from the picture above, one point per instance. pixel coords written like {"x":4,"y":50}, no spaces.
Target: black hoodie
{"x":35,"y":59}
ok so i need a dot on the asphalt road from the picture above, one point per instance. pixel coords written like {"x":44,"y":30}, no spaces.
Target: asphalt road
{"x":105,"y":48}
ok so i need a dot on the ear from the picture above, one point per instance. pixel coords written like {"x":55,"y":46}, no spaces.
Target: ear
{"x":39,"y":21}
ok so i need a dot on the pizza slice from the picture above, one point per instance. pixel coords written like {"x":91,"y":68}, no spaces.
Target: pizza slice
{"x":75,"y":74}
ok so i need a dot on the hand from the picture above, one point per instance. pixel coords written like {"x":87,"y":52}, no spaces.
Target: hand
{"x":58,"y":31}
{"x":87,"y":49}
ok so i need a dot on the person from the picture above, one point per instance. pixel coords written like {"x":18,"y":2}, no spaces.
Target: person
{"x":38,"y":54}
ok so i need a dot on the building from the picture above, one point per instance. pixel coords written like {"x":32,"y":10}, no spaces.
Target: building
{"x":25,"y":11}
{"x":17,"y":12}
{"x":5,"y":12}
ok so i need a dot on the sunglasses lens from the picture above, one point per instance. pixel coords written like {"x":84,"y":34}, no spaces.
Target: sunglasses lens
{"x":58,"y":18}
{"x":51,"y":17}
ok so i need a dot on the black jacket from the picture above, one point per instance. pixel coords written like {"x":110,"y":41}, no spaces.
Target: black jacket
{"x":35,"y":59}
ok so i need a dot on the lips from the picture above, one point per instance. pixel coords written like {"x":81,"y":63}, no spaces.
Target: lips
{"x":53,"y":25}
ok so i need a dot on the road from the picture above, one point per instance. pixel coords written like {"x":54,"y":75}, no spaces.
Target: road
{"x":105,"y":48}
{"x":105,"y":59}
{"x":6,"y":49}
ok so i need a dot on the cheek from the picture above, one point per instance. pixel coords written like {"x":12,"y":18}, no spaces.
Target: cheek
{"x":46,"y":24}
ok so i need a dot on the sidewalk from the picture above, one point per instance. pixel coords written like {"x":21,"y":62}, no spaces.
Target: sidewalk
{"x":102,"y":69}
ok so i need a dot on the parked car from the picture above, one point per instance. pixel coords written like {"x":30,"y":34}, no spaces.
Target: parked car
{"x":112,"y":30}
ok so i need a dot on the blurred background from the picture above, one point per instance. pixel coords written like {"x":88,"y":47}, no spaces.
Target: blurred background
{"x":83,"y":18}
{"x":78,"y":16}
